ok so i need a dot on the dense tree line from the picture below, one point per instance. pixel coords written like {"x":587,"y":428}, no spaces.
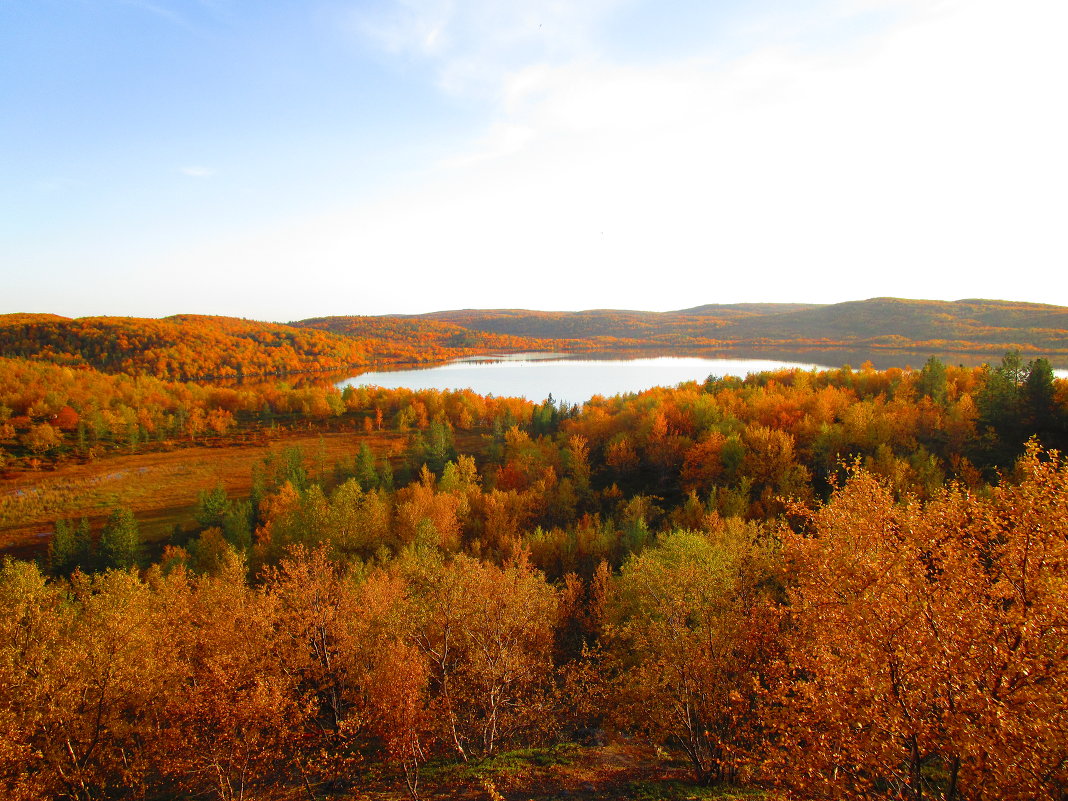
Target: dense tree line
{"x":49,"y":413}
{"x":177,"y":348}
{"x":186,"y":347}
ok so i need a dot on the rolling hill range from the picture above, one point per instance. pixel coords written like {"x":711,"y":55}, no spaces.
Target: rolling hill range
{"x":966,"y":325}
{"x":187,"y":347}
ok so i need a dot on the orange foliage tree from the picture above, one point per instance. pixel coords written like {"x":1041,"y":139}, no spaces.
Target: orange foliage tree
{"x":929,"y":642}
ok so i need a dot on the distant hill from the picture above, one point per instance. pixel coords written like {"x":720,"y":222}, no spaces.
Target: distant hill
{"x":191,"y":346}
{"x":23,"y":318}
{"x":977,"y":321}
{"x":181,"y":347}
{"x":582,"y":325}
{"x":736,"y":310}
{"x":416,"y":332}
{"x":966,"y":325}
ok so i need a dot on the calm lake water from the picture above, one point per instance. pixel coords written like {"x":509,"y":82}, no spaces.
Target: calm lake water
{"x":568,"y":379}
{"x":575,"y":379}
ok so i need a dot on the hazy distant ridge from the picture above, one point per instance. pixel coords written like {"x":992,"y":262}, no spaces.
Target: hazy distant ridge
{"x":879,"y":322}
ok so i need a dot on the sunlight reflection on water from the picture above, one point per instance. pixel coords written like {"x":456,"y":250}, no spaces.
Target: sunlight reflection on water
{"x":568,"y":379}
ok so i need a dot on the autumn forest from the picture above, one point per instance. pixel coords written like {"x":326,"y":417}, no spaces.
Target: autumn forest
{"x":227,"y":578}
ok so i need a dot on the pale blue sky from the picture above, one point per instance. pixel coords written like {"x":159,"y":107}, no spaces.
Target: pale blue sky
{"x":281,"y":160}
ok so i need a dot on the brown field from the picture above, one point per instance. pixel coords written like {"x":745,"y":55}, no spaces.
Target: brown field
{"x":160,"y":487}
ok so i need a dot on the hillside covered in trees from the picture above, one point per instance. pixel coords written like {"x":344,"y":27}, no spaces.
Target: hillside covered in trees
{"x":188,"y":346}
{"x":989,"y":326}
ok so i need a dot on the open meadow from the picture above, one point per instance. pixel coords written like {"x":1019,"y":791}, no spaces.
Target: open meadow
{"x":160,"y":487}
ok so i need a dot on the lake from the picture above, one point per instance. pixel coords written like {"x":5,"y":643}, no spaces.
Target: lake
{"x":569,"y":379}
{"x":574,"y":378}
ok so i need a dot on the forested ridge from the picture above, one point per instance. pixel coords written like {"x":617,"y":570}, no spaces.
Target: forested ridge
{"x":991,"y":326}
{"x":427,"y":336}
{"x":186,"y":347}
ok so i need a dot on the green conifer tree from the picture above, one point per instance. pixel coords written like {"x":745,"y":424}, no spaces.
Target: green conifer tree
{"x":120,"y":542}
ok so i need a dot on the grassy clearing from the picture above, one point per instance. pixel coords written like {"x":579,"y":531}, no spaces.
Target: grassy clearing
{"x":509,"y":763}
{"x":161,"y":488}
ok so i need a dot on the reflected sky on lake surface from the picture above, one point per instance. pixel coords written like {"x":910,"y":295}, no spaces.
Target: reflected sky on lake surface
{"x":575,"y":380}
{"x":571,"y":380}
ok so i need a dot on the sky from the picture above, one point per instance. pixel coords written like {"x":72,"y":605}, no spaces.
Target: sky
{"x":301,"y":158}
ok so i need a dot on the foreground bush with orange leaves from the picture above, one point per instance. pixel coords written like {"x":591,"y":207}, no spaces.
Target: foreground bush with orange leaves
{"x":928,"y":643}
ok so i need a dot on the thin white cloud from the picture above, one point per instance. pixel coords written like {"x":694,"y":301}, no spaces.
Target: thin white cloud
{"x":158,"y":10}
{"x":472,"y":44}
{"x":191,"y":17}
{"x":197,"y":171}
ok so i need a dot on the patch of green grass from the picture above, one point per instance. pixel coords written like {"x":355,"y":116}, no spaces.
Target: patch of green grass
{"x":684,"y":791}
{"x":506,"y":762}
{"x":521,"y":758}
